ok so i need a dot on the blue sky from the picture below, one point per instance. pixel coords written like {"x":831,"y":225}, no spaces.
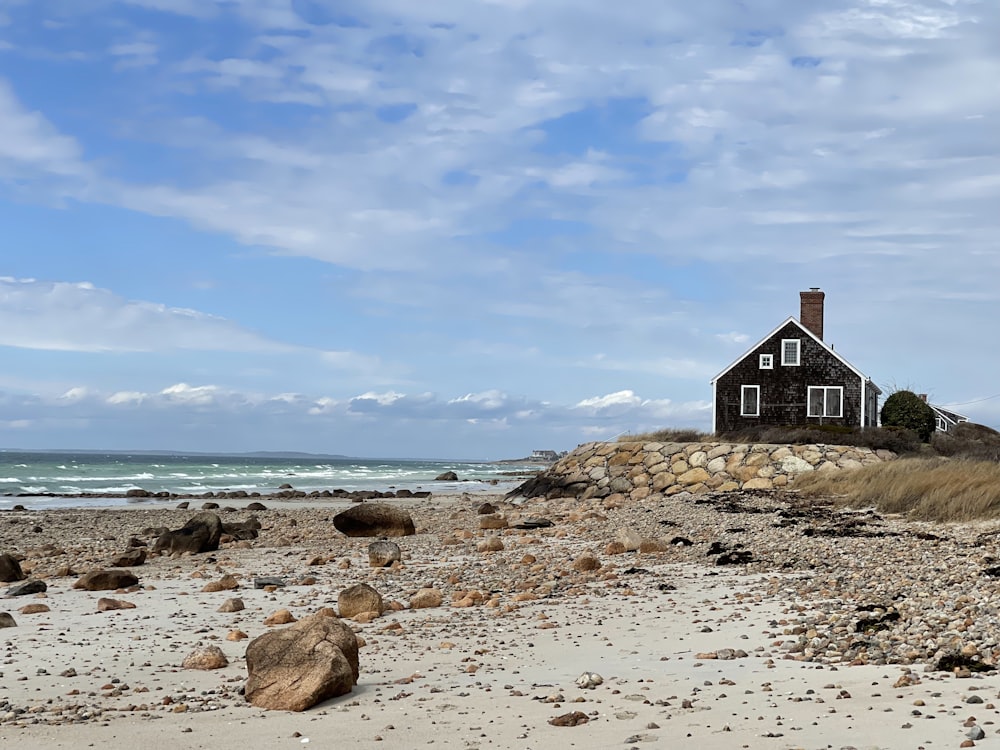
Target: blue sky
{"x":468,"y":229}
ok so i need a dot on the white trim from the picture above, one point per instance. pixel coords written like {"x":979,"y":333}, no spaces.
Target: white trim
{"x":805,"y":332}
{"x":715,"y":396}
{"x":824,"y":388}
{"x":743,"y":389}
{"x":785,"y":362}
{"x":769,"y":360}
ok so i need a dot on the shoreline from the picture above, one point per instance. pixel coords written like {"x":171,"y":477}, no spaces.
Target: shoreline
{"x":721,"y":655}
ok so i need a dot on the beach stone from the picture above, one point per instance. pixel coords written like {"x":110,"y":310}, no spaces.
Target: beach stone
{"x":34,"y":609}
{"x":493,"y":544}
{"x":232,"y":605}
{"x":228,"y":582}
{"x":109,"y":605}
{"x":586,"y":563}
{"x":129,"y":559}
{"x":574,"y":719}
{"x":448,"y":476}
{"x":493,"y":521}
{"x":205,"y":657}
{"x":200,"y":534}
{"x":279,"y":617}
{"x":359,"y":598}
{"x":629,"y":538}
{"x":10,"y":568}
{"x":7,"y":620}
{"x":30,"y":586}
{"x":374,"y":519}
{"x":382,"y":554}
{"x":486,"y":509}
{"x":256,"y":506}
{"x":242,"y":530}
{"x":105,"y":580}
{"x":426,"y":598}
{"x":264,"y":582}
{"x":294,"y":669}
{"x":137,"y":492}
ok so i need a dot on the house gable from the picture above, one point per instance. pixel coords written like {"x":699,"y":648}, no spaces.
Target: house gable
{"x":807,"y":382}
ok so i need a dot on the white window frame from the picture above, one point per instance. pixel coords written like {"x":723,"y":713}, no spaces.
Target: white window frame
{"x":825,"y":389}
{"x":767,"y":361}
{"x":785,"y":362}
{"x":743,"y":400}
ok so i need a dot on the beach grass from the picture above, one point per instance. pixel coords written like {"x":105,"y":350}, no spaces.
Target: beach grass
{"x":925,"y":489}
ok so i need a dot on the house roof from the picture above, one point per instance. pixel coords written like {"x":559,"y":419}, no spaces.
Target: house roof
{"x":952,"y":416}
{"x":810,"y":334}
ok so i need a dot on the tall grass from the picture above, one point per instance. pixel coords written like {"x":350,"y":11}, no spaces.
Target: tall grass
{"x":926,"y":489}
{"x":673,"y":435}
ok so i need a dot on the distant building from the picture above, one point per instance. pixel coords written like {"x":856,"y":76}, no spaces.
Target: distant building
{"x":791,"y":377}
{"x":945,"y":420}
{"x":544,"y":456}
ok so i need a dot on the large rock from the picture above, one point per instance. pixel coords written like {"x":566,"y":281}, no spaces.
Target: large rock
{"x":382,"y":554}
{"x":359,"y":598}
{"x":205,"y":657}
{"x":7,"y":620}
{"x":106,"y":580}
{"x":243,"y":530}
{"x":30,"y":586}
{"x":295,"y":668}
{"x":374,"y":519}
{"x":200,"y":534}
{"x":10,"y":568}
{"x":129,"y":559}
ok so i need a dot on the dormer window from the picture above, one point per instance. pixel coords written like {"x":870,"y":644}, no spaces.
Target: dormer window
{"x":767,"y":361}
{"x":790,"y":352}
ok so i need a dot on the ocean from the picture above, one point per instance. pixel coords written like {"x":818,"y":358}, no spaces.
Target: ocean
{"x":26,"y":475}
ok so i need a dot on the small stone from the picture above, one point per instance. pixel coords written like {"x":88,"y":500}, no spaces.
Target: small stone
{"x":206,"y":657}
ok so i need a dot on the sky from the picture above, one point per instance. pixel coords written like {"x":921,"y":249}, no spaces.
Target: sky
{"x":475,"y":228}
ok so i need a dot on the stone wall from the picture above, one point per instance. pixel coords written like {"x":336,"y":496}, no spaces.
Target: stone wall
{"x":637,"y":470}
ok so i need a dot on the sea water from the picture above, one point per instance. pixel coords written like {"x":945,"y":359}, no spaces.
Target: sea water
{"x":26,"y":474}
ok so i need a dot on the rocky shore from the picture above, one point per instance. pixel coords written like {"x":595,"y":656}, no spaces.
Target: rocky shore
{"x":745,"y":618}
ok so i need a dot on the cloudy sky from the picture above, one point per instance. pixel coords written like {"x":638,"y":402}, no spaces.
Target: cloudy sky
{"x":473,"y":228}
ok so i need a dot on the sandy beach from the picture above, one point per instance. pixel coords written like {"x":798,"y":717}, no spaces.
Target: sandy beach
{"x":765,"y":653}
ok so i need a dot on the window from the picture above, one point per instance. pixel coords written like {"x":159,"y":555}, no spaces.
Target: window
{"x":941,"y":425}
{"x":767,"y":361}
{"x":790,"y":352}
{"x":826,"y":401}
{"x":750,"y":401}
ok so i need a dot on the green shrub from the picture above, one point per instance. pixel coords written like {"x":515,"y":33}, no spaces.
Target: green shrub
{"x":907,"y":409}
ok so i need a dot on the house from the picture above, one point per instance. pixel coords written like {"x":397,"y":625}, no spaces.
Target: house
{"x":792,"y":377}
{"x":945,"y":420}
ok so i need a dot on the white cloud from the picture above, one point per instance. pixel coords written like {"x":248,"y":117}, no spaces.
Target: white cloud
{"x":77,"y":316}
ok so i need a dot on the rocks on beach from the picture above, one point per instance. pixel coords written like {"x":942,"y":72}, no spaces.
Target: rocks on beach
{"x":631,"y":590}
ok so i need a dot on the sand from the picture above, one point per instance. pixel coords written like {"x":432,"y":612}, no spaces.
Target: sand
{"x":487,"y":676}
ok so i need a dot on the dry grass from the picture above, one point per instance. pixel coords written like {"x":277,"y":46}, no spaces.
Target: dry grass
{"x":927,"y":489}
{"x":678,"y":435}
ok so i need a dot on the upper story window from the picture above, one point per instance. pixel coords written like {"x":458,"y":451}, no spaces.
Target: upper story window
{"x":750,"y":401}
{"x":790,"y":352}
{"x":767,"y":361}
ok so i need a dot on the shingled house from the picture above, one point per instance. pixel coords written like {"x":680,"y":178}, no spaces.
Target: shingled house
{"x":791,"y":377}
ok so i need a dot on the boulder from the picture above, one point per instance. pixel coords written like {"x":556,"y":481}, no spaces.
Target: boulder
{"x":131,"y":558}
{"x":200,"y":534}
{"x":242,"y":529}
{"x":383,"y":554}
{"x":205,"y":657}
{"x":359,"y":598}
{"x":10,"y":568}
{"x":105,"y":580}
{"x":31,"y":586}
{"x":448,"y":476}
{"x":232,"y":605}
{"x":493,"y":521}
{"x":426,"y":598}
{"x":110,"y":605}
{"x":7,"y":620}
{"x":296,"y":668}
{"x":374,"y":519}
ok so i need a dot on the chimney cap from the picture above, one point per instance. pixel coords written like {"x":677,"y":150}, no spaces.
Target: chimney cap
{"x":814,"y":289}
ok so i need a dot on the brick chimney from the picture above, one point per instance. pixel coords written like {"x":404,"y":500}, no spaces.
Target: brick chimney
{"x":811,"y":315}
